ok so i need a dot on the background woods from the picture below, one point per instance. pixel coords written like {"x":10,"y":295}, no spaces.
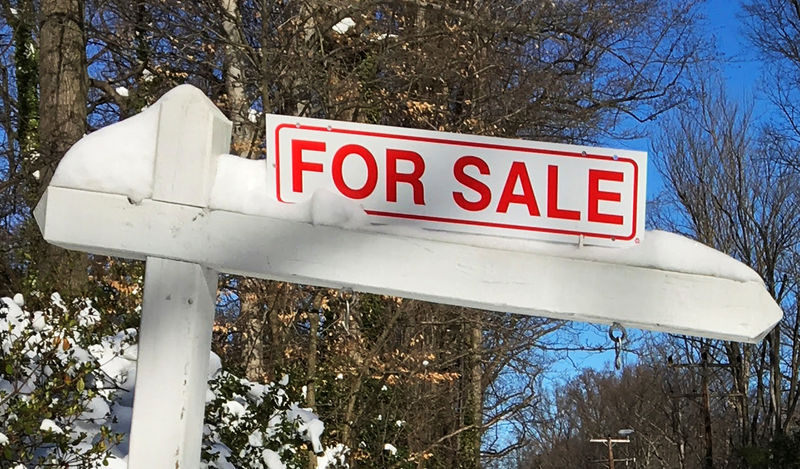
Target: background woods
{"x":404,"y":383}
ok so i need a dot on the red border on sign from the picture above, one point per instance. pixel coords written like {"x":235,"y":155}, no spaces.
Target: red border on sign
{"x":492,"y":146}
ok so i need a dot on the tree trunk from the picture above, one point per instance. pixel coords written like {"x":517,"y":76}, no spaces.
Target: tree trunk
{"x":27,"y":74}
{"x":775,"y":391}
{"x":26,"y":70}
{"x":739,"y":366}
{"x":63,"y":87}
{"x":311,"y":396}
{"x":708,"y":461}
{"x":253,"y":315}
{"x":252,"y":292}
{"x":238,"y":104}
{"x":470,"y":440}
{"x":63,"y":82}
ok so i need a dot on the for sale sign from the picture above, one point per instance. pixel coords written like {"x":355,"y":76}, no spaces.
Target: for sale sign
{"x":463,"y":183}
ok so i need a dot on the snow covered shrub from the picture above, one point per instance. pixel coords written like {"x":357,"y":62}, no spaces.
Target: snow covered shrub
{"x":66,"y":397}
{"x":250,"y":425}
{"x":55,"y":400}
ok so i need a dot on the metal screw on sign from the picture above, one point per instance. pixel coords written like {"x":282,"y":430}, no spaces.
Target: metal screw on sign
{"x":618,"y":340}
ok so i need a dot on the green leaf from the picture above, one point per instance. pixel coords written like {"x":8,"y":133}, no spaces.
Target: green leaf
{"x":9,"y":369}
{"x":81,"y":386}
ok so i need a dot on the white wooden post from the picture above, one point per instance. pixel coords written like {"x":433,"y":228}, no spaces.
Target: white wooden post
{"x":179,"y":297}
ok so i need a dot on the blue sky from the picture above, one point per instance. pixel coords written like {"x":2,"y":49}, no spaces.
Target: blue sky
{"x":739,"y":66}
{"x":741,"y":71}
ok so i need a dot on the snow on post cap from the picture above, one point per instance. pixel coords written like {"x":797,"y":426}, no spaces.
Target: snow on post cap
{"x":120,"y":158}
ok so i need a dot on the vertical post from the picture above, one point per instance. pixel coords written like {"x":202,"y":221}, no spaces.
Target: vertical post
{"x":172,"y":371}
{"x":610,"y":454}
{"x":179,"y":297}
{"x":609,"y":441}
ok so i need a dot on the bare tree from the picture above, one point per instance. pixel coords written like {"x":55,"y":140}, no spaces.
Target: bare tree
{"x":728,"y":189}
{"x":773,"y":27}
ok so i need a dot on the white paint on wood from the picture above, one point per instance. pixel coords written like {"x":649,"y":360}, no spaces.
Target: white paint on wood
{"x":172,"y":369}
{"x":191,"y":133}
{"x":599,"y":291}
{"x":179,"y":297}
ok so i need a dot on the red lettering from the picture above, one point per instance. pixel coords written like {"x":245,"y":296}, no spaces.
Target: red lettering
{"x":518,"y":172}
{"x":471,"y":183}
{"x":596,"y":195}
{"x":552,"y":198}
{"x":393,"y":177}
{"x":372,"y":171}
{"x":298,"y":165}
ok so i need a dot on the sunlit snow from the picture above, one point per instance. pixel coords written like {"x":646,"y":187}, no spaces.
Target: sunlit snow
{"x":344,"y":25}
{"x":50,"y":426}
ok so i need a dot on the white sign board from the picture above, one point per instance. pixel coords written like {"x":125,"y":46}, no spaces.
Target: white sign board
{"x":463,"y":183}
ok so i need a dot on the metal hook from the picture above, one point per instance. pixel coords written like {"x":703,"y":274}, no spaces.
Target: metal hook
{"x":347,"y":294}
{"x":618,"y":340}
